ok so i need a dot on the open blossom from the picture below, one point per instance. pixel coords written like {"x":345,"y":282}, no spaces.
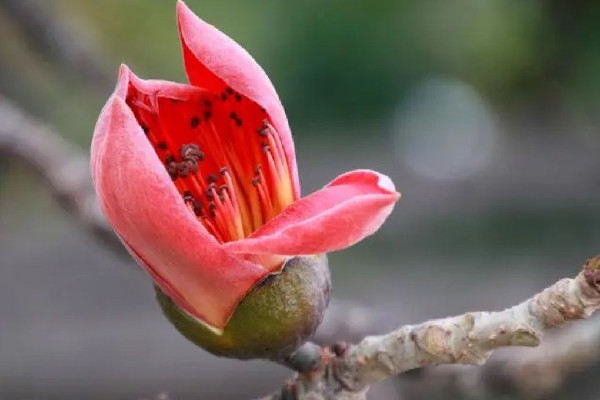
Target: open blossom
{"x":200,"y":181}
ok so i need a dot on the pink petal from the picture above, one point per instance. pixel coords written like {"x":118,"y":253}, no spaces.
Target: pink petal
{"x":345,"y":211}
{"x":213,"y":61}
{"x":148,"y":214}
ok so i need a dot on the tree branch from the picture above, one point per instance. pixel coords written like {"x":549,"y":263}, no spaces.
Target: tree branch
{"x":62,"y":167}
{"x":466,"y":339}
{"x":561,"y":355}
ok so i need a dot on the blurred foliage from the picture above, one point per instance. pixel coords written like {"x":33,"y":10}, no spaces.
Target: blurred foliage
{"x":342,"y":62}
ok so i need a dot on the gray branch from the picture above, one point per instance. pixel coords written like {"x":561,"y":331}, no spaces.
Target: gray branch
{"x":566,"y":352}
{"x":465,"y":339}
{"x":62,"y":168}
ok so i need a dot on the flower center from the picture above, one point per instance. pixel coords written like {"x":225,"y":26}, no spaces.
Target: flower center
{"x":222,"y":153}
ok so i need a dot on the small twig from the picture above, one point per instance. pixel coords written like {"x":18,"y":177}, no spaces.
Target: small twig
{"x":466,"y":339}
{"x":62,"y":167}
{"x":52,"y":35}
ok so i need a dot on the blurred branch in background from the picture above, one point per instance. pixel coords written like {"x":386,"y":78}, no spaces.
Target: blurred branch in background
{"x":53,"y":36}
{"x":63,"y":168}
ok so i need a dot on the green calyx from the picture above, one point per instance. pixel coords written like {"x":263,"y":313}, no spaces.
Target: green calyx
{"x":277,"y":316}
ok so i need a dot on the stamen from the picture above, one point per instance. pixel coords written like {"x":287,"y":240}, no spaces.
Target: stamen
{"x":263,"y":192}
{"x":211,"y":208}
{"x":278,"y":167}
{"x":212,"y":178}
{"x":172,"y":167}
{"x":212,"y":229}
{"x":184,"y":169}
{"x":204,"y":133}
{"x":232,"y":211}
{"x":229,"y":183}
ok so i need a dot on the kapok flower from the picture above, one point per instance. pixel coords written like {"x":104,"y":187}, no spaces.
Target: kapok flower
{"x":200,"y":181}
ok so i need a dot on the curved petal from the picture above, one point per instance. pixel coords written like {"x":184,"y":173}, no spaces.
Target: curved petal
{"x":213,"y":61}
{"x":143,"y":206}
{"x":351,"y":207}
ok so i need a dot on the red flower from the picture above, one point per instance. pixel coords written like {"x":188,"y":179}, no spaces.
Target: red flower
{"x":200,"y":181}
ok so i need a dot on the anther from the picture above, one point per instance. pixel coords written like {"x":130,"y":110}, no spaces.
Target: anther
{"x":197,"y":205}
{"x":193,"y":166}
{"x":265,"y":128}
{"x":208,"y":103}
{"x":172,"y":167}
{"x":191,"y":153}
{"x":233,"y":115}
{"x":212,"y":178}
{"x":173,"y":171}
{"x":194,"y":122}
{"x":223,"y":96}
{"x":223,"y":170}
{"x":184,"y":169}
{"x":255,"y":181}
{"x":207,"y":115}
{"x":145,"y":129}
{"x":162,"y":145}
{"x":229,"y":91}
{"x":263,"y":132}
{"x":211,"y":208}
{"x":238,"y":97}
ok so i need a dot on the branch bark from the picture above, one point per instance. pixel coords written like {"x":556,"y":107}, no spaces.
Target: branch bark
{"x":347,"y":373}
{"x":561,"y":355}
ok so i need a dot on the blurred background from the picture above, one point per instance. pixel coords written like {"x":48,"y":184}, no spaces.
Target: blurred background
{"x":485,"y":114}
